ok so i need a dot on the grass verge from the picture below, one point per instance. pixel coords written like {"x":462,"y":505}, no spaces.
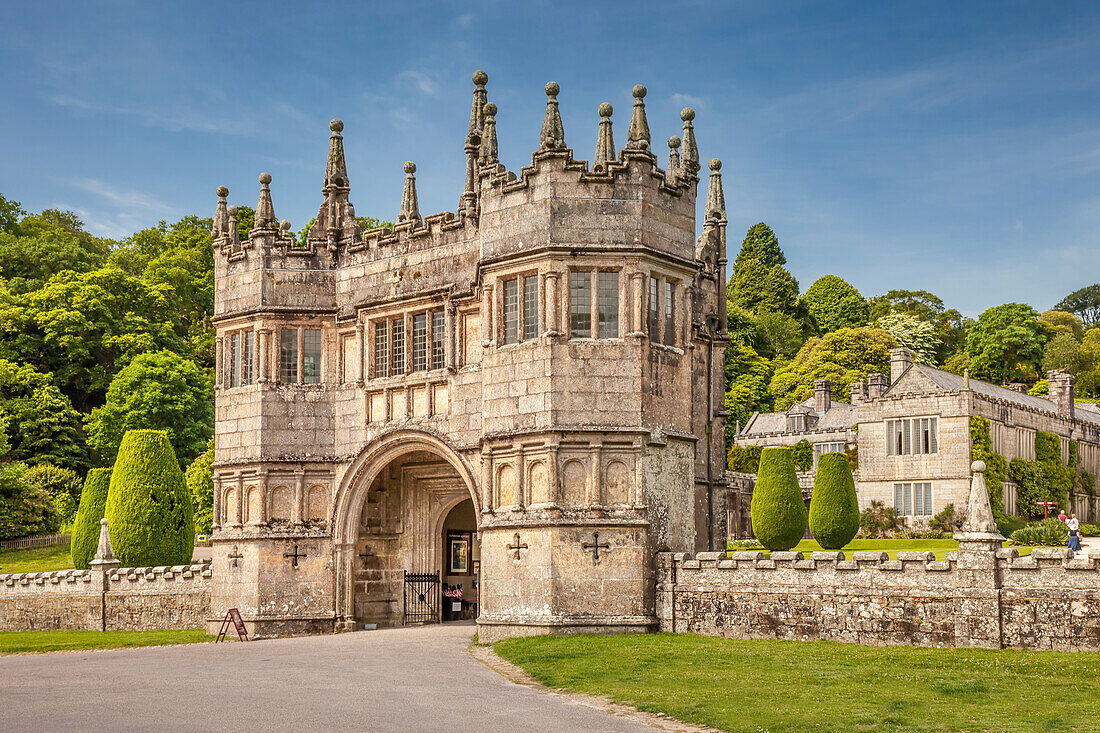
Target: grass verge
{"x":14,"y":642}
{"x":788,"y":686}
{"x":35,"y":560}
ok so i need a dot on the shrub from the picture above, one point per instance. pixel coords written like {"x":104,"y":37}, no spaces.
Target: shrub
{"x":803,"y":454}
{"x":1009,"y":523}
{"x":25,"y":510}
{"x":1090,"y":530}
{"x":878,"y":520}
{"x":61,"y":484}
{"x":745,"y":459}
{"x":148,"y":509}
{"x":93,"y":502}
{"x":1050,"y":532}
{"x":945,"y":520}
{"x":834,"y":507}
{"x":200,"y":485}
{"x":778,"y":512}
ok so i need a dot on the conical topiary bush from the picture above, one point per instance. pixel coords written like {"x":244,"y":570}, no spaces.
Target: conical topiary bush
{"x":93,"y":502}
{"x":778,"y":512}
{"x":148,"y":509}
{"x":834,"y":508}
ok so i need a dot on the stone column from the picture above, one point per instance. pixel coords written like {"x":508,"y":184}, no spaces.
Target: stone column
{"x":219,"y":361}
{"x":594,"y":304}
{"x":299,"y":490}
{"x":301,"y":353}
{"x":486,"y":311}
{"x":262,"y":355}
{"x":553,"y":490}
{"x":345,"y":586}
{"x":239,"y":516}
{"x":549,"y":299}
{"x":595,"y":494}
{"x":638,"y":309}
{"x":217,"y":523}
{"x":450,"y":343}
{"x":521,"y":484}
{"x":487,"y":504}
{"x":262,"y":488}
{"x":360,"y":350}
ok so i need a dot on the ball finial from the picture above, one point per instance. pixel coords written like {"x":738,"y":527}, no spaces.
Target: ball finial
{"x":232,"y":211}
{"x":410,"y":167}
{"x":552,"y":89}
{"x":978,"y":466}
{"x":639,"y":91}
{"x":336,"y":125}
{"x":715,"y":164}
{"x":490,"y":109}
{"x":480,"y":77}
{"x":103,"y":522}
{"x":285,"y":225}
{"x":674,"y":142}
{"x":687,"y":114}
{"x":605,"y":110}
{"x":222,"y":191}
{"x":265,"y":178}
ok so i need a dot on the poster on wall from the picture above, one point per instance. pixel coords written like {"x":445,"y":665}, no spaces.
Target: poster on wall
{"x":459,"y":553}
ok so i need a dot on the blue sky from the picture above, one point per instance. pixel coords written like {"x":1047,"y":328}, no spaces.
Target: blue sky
{"x":953,"y":147}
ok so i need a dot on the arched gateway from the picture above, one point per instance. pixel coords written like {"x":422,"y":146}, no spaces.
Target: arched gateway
{"x":531,"y":387}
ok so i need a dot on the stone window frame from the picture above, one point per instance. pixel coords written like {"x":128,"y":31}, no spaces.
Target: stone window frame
{"x":662,"y":321}
{"x":500,"y":324}
{"x":434,"y":359}
{"x":914,"y":504}
{"x":299,"y":372}
{"x":240,"y":361}
{"x":594,"y":272}
{"x":818,"y":452}
{"x":901,"y":445}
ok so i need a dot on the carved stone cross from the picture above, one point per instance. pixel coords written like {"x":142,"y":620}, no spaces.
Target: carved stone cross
{"x":294,"y":555}
{"x":234,"y":557}
{"x":366,"y":552}
{"x":595,"y":546}
{"x":516,"y":546}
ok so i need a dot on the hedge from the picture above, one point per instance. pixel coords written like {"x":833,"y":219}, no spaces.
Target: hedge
{"x":778,"y":512}
{"x":834,"y":508}
{"x":148,"y":507}
{"x":62,"y":484}
{"x":93,"y":501}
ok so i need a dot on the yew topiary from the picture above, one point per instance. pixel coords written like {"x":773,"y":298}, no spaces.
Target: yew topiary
{"x":93,"y":502}
{"x":778,"y":512}
{"x":148,"y":508}
{"x":834,"y":508}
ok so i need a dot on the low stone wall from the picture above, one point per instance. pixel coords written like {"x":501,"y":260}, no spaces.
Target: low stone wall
{"x":117,"y":599}
{"x":1048,"y":600}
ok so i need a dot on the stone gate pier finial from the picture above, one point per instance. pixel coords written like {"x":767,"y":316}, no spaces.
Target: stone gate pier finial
{"x":552,"y":136}
{"x":221,"y":216}
{"x":979,"y":531}
{"x":410,"y":208}
{"x":690,"y":159}
{"x":605,"y":141}
{"x":637,"y":137}
{"x":716,"y":198}
{"x":487,"y":155}
{"x":104,"y":555}
{"x":672,"y":175}
{"x":265,"y":209}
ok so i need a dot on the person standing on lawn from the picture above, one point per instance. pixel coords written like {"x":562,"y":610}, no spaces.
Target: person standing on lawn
{"x":1074,"y":533}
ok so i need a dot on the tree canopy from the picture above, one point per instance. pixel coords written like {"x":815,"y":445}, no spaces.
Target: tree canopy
{"x":844,"y":356}
{"x":914,"y":334}
{"x":1006,"y":344}
{"x":1084,"y":303}
{"x":833,"y":303}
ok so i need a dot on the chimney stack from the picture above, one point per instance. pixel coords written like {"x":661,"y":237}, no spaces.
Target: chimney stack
{"x":858,"y":391}
{"x":1061,"y":389}
{"x":900,"y":360}
{"x":823,"y":395}
{"x":876,"y":385}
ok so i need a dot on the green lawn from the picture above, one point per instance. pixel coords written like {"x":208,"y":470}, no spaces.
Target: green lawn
{"x":893,"y":547}
{"x":789,"y":686}
{"x":12,"y":642}
{"x":35,"y":560}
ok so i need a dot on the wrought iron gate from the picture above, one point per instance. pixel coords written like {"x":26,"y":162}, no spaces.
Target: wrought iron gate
{"x":421,"y":598}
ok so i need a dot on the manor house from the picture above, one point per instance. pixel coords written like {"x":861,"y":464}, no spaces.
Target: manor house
{"x":911,"y":434}
{"x":501,"y":413}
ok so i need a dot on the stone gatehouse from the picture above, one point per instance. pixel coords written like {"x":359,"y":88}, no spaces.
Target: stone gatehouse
{"x":523,"y":396}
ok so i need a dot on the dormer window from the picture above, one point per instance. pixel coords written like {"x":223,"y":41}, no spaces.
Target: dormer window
{"x":796,"y":423}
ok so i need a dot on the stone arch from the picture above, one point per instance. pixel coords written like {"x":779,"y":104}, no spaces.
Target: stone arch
{"x":618,"y":484}
{"x":537,"y":485}
{"x":372,"y":460}
{"x":506,"y":486}
{"x":254,"y":496}
{"x":229,"y":506}
{"x":316,"y":507}
{"x":281,"y":503}
{"x":574,"y":482}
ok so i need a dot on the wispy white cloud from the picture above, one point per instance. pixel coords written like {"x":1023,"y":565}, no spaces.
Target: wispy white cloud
{"x":465,"y":21}
{"x":174,"y":120}
{"x":123,"y":212}
{"x":421,"y":80}
{"x":688,"y":100}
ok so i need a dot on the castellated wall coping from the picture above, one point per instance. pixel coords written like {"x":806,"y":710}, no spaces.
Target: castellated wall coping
{"x":142,"y":598}
{"x":1049,"y":599}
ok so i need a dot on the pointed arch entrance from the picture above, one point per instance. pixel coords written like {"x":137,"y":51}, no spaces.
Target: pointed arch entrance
{"x":389,"y":518}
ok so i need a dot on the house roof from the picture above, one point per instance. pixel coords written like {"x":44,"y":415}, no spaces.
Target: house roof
{"x":839,"y":415}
